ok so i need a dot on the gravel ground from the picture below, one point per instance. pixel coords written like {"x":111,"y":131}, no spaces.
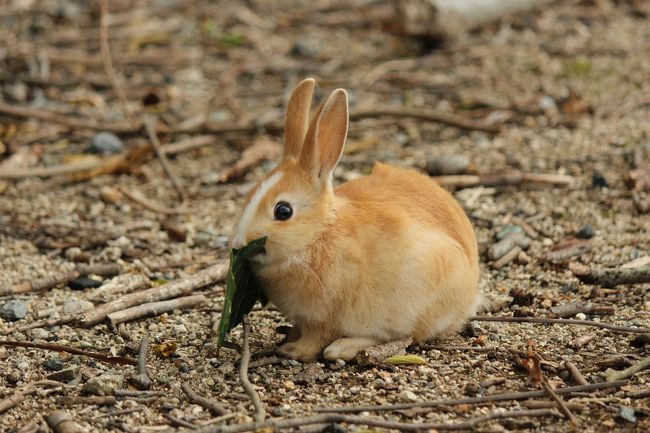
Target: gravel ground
{"x":563,"y":81}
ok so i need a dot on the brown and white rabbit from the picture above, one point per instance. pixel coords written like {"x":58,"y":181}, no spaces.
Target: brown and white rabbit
{"x":379,"y":258}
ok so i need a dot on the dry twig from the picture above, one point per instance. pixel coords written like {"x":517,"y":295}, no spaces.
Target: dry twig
{"x":210,"y":405}
{"x":611,"y":277}
{"x":375,"y":355}
{"x":60,"y":421}
{"x":141,"y":379}
{"x":108,"y":64}
{"x":575,"y":373}
{"x":287,"y":423}
{"x":260,"y":412}
{"x":150,"y":127}
{"x":179,"y":287}
{"x":45,"y":283}
{"x":560,"y":322}
{"x":472,"y":400}
{"x":628,"y":372}
{"x":429,"y":116}
{"x":504,"y":179}
{"x":74,"y":351}
{"x":154,"y":309}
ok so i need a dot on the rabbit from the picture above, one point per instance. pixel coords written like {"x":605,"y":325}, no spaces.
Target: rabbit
{"x":379,"y":258}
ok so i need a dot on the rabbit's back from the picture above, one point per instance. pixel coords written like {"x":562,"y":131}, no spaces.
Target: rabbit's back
{"x":392,"y":189}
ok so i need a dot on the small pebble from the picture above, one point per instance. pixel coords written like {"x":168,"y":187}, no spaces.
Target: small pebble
{"x":105,"y":143}
{"x":53,"y":364}
{"x":587,"y":231}
{"x":581,"y":316}
{"x":627,"y":413}
{"x":13,"y":310}
{"x":84,"y":283}
{"x":408,"y":396}
{"x":598,"y":180}
{"x":40,"y":334}
{"x":103,"y":385}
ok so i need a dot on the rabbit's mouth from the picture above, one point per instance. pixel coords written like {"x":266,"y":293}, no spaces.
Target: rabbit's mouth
{"x":259,"y":257}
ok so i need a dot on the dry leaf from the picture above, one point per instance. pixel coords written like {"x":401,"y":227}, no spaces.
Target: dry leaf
{"x":405,"y":360}
{"x":263,"y":149}
{"x":533,"y":364}
{"x":166,"y":349}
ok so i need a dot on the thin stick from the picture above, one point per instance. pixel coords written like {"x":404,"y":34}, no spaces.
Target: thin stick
{"x":504,"y":179}
{"x":141,"y":380}
{"x":473,"y":400}
{"x":260,"y":412}
{"x":60,"y":421}
{"x":153,"y":206}
{"x":613,"y":276}
{"x":630,"y":371}
{"x":178,"y":422}
{"x":560,"y":402}
{"x":575,"y":373}
{"x":154,"y":309}
{"x":108,"y":64}
{"x":287,"y":423}
{"x":173,"y":289}
{"x":429,"y":116}
{"x":150,"y":127}
{"x":210,"y":405}
{"x":560,"y":322}
{"x":74,"y":351}
{"x":188,"y":144}
{"x":69,"y":121}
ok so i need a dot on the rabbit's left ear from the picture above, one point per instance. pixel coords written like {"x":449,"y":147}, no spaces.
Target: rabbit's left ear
{"x":297,"y":118}
{"x":325,"y":140}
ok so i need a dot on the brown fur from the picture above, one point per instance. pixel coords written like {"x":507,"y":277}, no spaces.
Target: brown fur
{"x":378,"y":258}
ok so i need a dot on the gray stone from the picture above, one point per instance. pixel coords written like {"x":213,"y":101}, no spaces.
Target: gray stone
{"x":13,"y":310}
{"x":103,"y":385}
{"x":76,"y":306}
{"x":106,"y":143}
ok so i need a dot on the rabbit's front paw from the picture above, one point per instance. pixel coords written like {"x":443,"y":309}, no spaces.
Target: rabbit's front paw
{"x":347,"y":348}
{"x":299,"y":350}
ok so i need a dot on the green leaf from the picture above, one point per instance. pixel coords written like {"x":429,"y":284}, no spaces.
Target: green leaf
{"x":242,"y":288}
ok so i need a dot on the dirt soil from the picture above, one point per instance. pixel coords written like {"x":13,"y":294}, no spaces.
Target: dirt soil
{"x":563,"y":84}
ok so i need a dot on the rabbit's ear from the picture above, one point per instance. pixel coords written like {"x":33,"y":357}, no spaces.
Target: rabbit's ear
{"x":297,"y":118}
{"x":326,"y":137}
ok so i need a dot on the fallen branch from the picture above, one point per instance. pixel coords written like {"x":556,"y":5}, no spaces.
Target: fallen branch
{"x":141,"y":379}
{"x":188,"y":144}
{"x":287,"y":423}
{"x":60,"y":421}
{"x":19,"y":396}
{"x":125,"y":283}
{"x":150,"y":128}
{"x":153,"y":206}
{"x":575,"y":373}
{"x":504,"y":179}
{"x":628,"y":372}
{"x":121,"y":360}
{"x":39,"y":284}
{"x":210,"y":405}
{"x":375,"y":355}
{"x":560,"y":322}
{"x":98,"y":400}
{"x":570,"y":309}
{"x":176,"y":288}
{"x":429,"y":116}
{"x":611,"y":277}
{"x":559,"y":401}
{"x":74,"y":122}
{"x":178,"y":422}
{"x":473,"y":400}
{"x":154,"y":309}
{"x":105,"y":52}
{"x":260,"y":412}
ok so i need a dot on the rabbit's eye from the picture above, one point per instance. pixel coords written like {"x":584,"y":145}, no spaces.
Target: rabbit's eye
{"x":283,"y":211}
